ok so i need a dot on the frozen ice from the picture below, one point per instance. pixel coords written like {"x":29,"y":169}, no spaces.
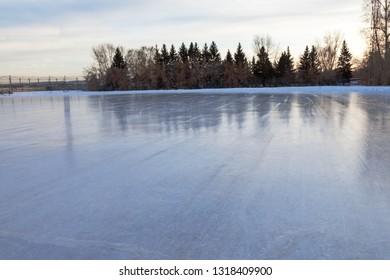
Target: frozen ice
{"x":246,"y":174}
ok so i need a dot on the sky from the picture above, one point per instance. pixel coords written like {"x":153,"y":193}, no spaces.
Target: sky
{"x":46,"y":37}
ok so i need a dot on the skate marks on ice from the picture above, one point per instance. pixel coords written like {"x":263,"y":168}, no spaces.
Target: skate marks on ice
{"x":195,"y":176}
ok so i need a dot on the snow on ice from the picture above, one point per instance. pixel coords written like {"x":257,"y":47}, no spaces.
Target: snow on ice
{"x":281,"y":173}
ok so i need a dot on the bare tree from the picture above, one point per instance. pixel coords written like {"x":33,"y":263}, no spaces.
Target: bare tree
{"x":266,"y":41}
{"x":140,"y":62}
{"x":96,"y":74}
{"x":328,"y":50}
{"x":377,"y":17}
{"x":103,"y":55}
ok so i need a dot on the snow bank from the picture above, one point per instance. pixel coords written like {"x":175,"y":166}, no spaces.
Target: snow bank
{"x":327,"y":90}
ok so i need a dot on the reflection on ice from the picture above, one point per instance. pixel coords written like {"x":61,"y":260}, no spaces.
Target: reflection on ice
{"x":195,"y":176}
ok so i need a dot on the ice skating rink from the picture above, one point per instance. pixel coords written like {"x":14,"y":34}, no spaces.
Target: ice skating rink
{"x":195,"y":176}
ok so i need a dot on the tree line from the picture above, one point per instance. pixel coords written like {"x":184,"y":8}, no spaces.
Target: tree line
{"x":191,"y":67}
{"x":375,"y":66}
{"x":328,"y":62}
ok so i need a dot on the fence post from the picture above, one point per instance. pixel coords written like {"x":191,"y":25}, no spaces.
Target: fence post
{"x":10,"y":84}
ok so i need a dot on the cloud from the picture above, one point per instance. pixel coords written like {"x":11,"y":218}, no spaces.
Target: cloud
{"x":33,"y":29}
{"x":24,"y":12}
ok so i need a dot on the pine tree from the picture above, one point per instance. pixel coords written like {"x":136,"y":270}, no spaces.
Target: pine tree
{"x":253,"y":67}
{"x":191,"y":50}
{"x":183,"y":53}
{"x":194,"y":53}
{"x":118,"y":61}
{"x":228,"y":71}
{"x":314,"y":65}
{"x":116,"y":78}
{"x":239,"y":56}
{"x":344,"y":65}
{"x":214,"y":70}
{"x":241,"y":67}
{"x":173,"y":57}
{"x":164,"y":55}
{"x":285,"y":68}
{"x":229,"y":57}
{"x":215,"y":56}
{"x":195,"y":58}
{"x":264,"y":69}
{"x":157,"y":56}
{"x":290,"y":71}
{"x":305,"y":66}
{"x":205,"y":54}
{"x":159,"y":75}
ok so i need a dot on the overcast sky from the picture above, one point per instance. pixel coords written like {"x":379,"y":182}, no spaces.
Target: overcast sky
{"x":46,"y":37}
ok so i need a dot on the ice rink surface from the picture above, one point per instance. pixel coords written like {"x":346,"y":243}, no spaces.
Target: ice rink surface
{"x":195,"y":176}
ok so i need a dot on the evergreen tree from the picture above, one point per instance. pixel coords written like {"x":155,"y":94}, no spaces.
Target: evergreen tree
{"x":159,"y":77}
{"x":228,"y":71}
{"x":253,"y":67}
{"x":205,"y":54}
{"x":183,"y":53}
{"x":305,"y":66}
{"x":118,"y":61}
{"x":191,"y":51}
{"x":194,"y":53}
{"x":264,"y":69}
{"x":285,"y":68}
{"x":213,"y":69}
{"x":195,"y":57}
{"x":344,"y":65}
{"x":290,"y":69}
{"x":229,"y":57}
{"x":314,"y":65}
{"x":157,"y":56}
{"x":239,"y":56}
{"x":215,"y":56}
{"x":242,"y":71}
{"x":173,"y":57}
{"x":164,"y":55}
{"x":116,"y":77}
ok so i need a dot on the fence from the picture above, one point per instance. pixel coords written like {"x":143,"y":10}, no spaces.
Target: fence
{"x":35,"y":83}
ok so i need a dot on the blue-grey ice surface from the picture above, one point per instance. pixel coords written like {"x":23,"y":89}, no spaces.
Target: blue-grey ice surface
{"x":195,"y":175}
